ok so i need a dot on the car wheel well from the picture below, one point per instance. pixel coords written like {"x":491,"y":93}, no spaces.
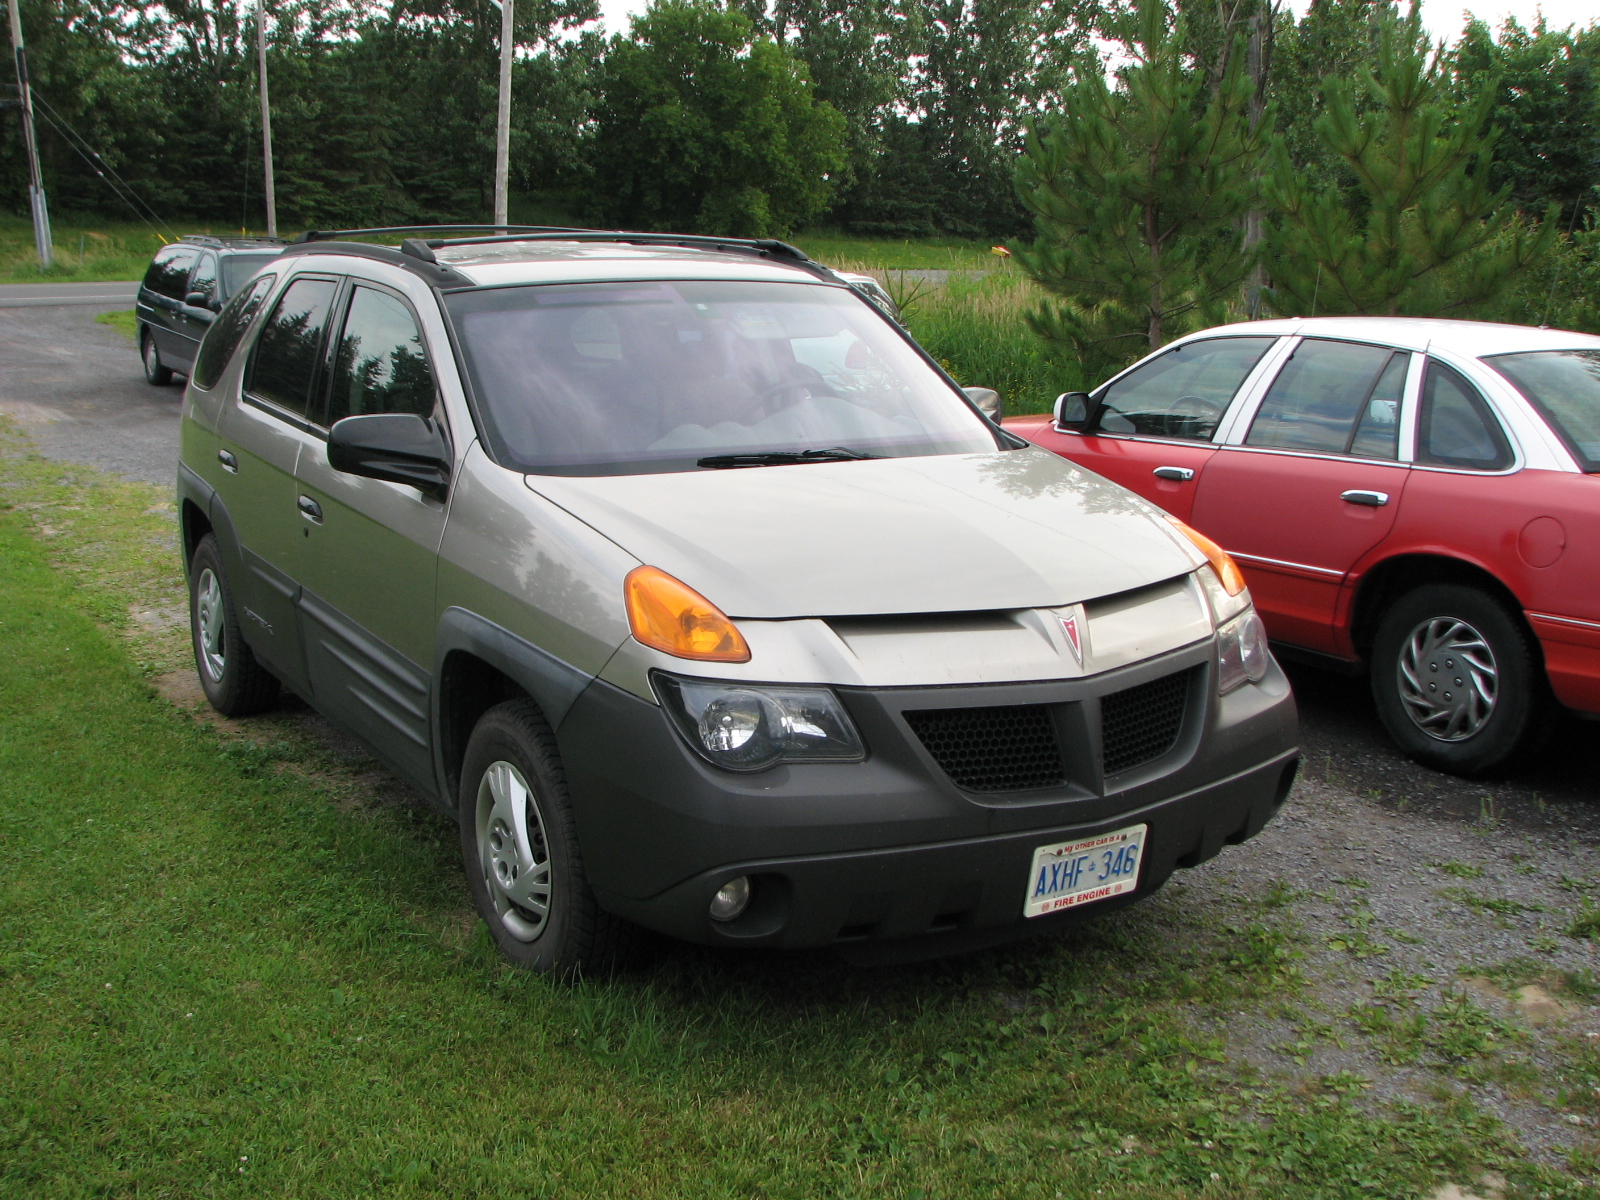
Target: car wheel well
{"x":195,"y":525}
{"x":1393,"y":578}
{"x":468,"y":688}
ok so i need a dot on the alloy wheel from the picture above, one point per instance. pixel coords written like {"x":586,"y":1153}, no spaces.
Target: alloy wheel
{"x":208,"y":610}
{"x":513,"y":852}
{"x":1447,"y":678}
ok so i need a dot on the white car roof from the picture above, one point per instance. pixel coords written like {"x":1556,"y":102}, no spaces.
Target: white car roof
{"x":504,"y":263}
{"x":1471,"y":339}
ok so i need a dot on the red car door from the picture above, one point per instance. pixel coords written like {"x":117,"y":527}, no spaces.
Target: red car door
{"x":1314,"y":485}
{"x":1152,"y":427}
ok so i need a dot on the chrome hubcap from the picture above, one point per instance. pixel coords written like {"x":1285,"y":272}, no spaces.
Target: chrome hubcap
{"x":512,"y":851}
{"x":208,"y":616}
{"x":1448,"y":679}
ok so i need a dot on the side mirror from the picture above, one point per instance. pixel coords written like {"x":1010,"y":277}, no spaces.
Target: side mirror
{"x":988,"y":402}
{"x":1072,"y":410}
{"x":398,"y":447}
{"x":198,"y":299}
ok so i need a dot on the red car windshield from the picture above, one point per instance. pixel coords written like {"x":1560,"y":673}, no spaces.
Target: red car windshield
{"x":643,"y":377}
{"x":1564,"y":385}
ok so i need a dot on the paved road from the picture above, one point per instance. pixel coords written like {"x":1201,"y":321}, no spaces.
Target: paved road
{"x":77,"y":388}
{"x":50,"y":295}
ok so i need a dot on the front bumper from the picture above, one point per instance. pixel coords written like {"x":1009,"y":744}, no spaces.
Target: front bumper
{"x":866,"y":855}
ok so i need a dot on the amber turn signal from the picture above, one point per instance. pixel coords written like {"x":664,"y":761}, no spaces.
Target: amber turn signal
{"x":669,"y":615}
{"x":1228,"y":573}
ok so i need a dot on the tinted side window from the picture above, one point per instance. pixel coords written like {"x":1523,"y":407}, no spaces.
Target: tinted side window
{"x":222,"y":339}
{"x":1183,"y":393}
{"x":204,"y":276}
{"x":169,"y":271}
{"x":1455,"y":427}
{"x":285,"y":362}
{"x":1322,"y":396}
{"x":381,"y":366}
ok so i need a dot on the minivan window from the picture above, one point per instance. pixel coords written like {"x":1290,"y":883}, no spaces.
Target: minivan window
{"x":169,"y":271}
{"x":1455,"y":427}
{"x":1564,"y":385}
{"x":238,"y":268}
{"x":381,"y":366}
{"x":204,"y":276}
{"x":1182,"y":393}
{"x":222,"y":339}
{"x":1331,"y":394}
{"x":285,"y":362}
{"x":631,"y":378}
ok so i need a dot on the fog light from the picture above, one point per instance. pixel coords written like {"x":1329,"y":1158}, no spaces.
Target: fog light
{"x":731,"y":899}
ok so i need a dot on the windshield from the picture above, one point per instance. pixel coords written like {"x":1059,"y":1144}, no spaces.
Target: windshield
{"x":1564,"y":385}
{"x":634,"y":378}
{"x":239,"y":269}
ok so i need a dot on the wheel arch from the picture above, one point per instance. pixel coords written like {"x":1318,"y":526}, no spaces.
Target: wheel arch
{"x":479,"y":665}
{"x":1394,"y":577}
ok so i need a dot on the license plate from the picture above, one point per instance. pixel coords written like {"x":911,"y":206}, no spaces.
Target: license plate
{"x":1068,"y":874}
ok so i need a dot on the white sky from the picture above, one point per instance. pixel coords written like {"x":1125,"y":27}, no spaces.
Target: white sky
{"x":1444,"y":18}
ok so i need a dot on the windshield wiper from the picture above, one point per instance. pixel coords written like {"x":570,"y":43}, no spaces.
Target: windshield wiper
{"x":783,"y":458}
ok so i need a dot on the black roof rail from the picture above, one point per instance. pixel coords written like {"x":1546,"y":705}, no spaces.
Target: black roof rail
{"x":230,"y":239}
{"x":421,"y":249}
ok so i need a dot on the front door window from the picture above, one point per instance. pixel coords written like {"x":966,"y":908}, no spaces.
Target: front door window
{"x":1182,"y":393}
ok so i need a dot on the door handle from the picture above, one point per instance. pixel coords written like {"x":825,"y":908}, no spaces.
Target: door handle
{"x":310,"y":509}
{"x":228,"y":461}
{"x":1181,"y":474}
{"x":1367,"y":499}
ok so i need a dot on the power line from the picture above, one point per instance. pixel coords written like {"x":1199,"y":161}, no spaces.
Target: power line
{"x":103,"y":169}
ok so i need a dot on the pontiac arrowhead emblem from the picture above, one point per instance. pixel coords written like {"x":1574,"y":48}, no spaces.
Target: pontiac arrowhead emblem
{"x":1069,"y":626}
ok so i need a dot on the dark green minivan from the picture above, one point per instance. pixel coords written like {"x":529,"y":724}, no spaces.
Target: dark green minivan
{"x":185,"y":287}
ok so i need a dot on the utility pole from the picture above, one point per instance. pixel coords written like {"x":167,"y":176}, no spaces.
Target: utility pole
{"x":266,"y":117}
{"x":36,"y":201}
{"x":502,"y":129}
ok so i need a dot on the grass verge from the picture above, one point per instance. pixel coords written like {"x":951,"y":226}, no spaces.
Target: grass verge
{"x":126,"y":322}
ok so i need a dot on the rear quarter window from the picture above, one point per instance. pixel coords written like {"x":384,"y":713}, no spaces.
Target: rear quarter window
{"x":169,"y":271}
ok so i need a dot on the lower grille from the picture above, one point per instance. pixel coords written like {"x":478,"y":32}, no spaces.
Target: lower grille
{"x":1142,"y":723}
{"x":1007,"y":748}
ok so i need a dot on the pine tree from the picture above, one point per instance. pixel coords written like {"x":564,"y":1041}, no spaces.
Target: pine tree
{"x":1422,"y":231}
{"x":1138,"y":192}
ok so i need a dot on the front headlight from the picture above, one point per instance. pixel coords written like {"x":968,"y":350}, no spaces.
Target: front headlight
{"x":749,"y":727}
{"x":1241,"y":652}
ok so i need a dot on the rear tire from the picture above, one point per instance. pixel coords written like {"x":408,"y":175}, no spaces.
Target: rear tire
{"x":1457,"y":681}
{"x":155,"y":374}
{"x":519,"y":846}
{"x":234,"y":682}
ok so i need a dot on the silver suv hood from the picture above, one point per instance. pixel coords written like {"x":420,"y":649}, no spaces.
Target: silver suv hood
{"x":948,"y":533}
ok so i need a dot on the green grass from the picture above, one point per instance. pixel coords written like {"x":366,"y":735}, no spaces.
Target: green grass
{"x":87,"y":251}
{"x":225,"y":971}
{"x":126,"y":322}
{"x":876,"y":254}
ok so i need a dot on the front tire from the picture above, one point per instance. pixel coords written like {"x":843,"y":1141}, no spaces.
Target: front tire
{"x":519,"y":845}
{"x":155,"y":374}
{"x":1456,"y":679}
{"x":234,"y":682}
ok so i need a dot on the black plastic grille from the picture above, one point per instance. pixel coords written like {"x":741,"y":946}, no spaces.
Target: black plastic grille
{"x":1142,"y":723}
{"x":1009,"y":748}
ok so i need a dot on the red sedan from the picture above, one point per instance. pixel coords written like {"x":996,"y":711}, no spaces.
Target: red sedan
{"x":1415,"y":496}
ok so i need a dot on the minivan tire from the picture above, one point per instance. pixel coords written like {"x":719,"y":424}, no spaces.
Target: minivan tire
{"x":155,"y":374}
{"x":1457,"y":681}
{"x":519,"y":846}
{"x":234,"y":682}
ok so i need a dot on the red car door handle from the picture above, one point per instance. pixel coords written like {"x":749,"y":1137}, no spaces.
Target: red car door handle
{"x":1181,"y":474}
{"x":1369,"y":499}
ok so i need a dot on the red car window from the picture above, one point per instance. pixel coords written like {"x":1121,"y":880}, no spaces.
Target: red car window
{"x":1331,"y":395}
{"x":1455,"y":427}
{"x":1184,"y":392}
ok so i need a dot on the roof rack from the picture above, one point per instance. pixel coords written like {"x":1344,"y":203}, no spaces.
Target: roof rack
{"x":423,"y":248}
{"x":230,"y":239}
